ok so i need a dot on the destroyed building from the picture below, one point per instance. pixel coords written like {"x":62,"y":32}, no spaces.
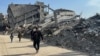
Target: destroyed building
{"x":76,"y":35}
{"x":3,"y":22}
{"x":20,"y":14}
{"x":63,"y":14}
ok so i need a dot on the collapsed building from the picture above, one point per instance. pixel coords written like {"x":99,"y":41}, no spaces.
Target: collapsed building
{"x":65,"y":13}
{"x":78,"y":34}
{"x":20,"y":14}
{"x":2,"y":22}
{"x":71,"y":33}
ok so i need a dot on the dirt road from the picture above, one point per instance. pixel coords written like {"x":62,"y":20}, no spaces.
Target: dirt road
{"x":25,"y":48}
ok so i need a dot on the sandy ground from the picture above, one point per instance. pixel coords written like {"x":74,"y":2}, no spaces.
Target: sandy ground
{"x":25,"y":48}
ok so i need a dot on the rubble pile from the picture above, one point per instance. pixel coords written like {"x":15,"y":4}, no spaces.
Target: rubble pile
{"x":83,"y":37}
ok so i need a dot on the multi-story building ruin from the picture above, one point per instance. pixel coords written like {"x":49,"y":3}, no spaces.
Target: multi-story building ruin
{"x":20,"y":14}
{"x":65,"y":12}
{"x":3,"y":22}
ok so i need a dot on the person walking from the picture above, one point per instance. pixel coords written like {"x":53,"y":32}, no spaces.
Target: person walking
{"x":11,"y":37}
{"x":19,"y":36}
{"x":36,"y":36}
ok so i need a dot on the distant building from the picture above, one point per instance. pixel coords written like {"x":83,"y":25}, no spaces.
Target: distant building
{"x":65,"y":15}
{"x":20,"y":14}
{"x":1,"y":19}
{"x":2,"y":22}
{"x":65,"y":12}
{"x":1,"y":16}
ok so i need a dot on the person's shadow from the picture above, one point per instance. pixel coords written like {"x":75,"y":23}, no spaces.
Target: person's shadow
{"x":30,"y":54}
{"x":31,"y":46}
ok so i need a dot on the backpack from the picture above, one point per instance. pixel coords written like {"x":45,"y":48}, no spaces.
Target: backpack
{"x":36,"y":34}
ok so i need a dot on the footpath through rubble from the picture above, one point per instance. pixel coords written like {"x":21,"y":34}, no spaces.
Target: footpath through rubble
{"x":25,"y":48}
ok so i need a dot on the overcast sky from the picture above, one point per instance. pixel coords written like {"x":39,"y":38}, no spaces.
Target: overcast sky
{"x":87,"y":7}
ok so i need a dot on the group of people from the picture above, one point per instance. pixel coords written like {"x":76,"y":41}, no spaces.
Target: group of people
{"x":12,"y":36}
{"x":36,"y":36}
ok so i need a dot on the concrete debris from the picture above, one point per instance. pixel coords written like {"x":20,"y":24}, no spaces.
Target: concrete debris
{"x":83,"y":36}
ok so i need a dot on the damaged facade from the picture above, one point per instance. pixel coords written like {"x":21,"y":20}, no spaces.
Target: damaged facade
{"x":3,"y":22}
{"x":20,"y":14}
{"x":65,"y":15}
{"x":65,"y":12}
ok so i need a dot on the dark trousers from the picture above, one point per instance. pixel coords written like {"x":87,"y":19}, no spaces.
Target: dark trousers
{"x":19,"y":39}
{"x":19,"y":36}
{"x":11,"y":39}
{"x":36,"y":44}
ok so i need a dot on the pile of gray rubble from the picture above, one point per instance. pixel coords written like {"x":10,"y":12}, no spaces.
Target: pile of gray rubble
{"x":84,"y":36}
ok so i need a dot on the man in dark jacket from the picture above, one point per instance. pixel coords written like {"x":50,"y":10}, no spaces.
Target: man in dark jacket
{"x":36,"y":36}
